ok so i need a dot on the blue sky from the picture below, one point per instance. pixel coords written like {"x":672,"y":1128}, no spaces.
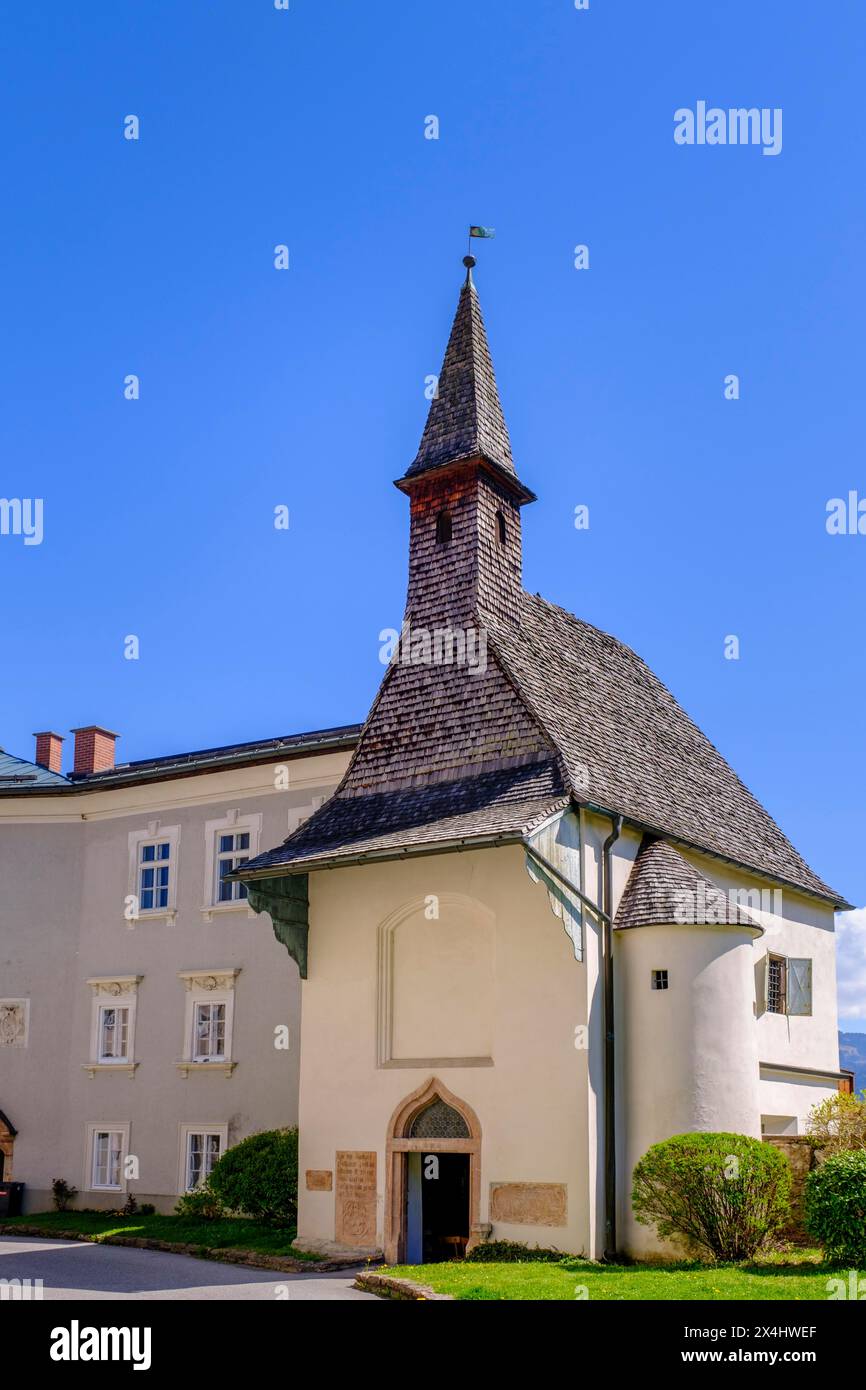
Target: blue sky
{"x":306,"y":387}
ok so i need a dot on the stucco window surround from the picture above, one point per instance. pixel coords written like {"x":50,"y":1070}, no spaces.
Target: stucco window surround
{"x":105,"y":1153}
{"x":205,"y":990}
{"x":481,"y":923}
{"x":117,"y":995}
{"x":14,"y":1022}
{"x":198,"y":1132}
{"x":398,"y":1145}
{"x":232,"y":823}
{"x":298,"y":814}
{"x":152,"y":834}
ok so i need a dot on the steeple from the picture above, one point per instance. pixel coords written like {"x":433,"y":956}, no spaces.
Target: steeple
{"x":465,"y":419}
{"x":464,"y":492}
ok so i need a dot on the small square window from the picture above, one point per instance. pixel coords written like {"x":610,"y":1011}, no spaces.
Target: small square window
{"x":659,"y":979}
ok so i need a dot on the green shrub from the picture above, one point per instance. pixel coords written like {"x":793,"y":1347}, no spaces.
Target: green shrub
{"x":200,"y":1203}
{"x":259,"y":1176}
{"x":62,"y":1194}
{"x":727,"y":1193}
{"x":512,"y":1252}
{"x":838,"y":1123}
{"x":836,"y":1207}
{"x":147,"y":1209}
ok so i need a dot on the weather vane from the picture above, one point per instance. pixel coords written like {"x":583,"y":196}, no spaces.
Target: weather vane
{"x":477,"y":232}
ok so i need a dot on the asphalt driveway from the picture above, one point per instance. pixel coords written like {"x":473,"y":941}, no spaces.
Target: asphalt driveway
{"x":72,"y":1269}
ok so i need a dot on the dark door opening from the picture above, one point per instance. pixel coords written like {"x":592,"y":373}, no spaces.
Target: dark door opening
{"x":437,"y":1207}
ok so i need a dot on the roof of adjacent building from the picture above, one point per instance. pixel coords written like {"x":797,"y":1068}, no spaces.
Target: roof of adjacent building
{"x":465,"y":417}
{"x":663,"y":888}
{"x":172,"y":765}
{"x":16,"y":774}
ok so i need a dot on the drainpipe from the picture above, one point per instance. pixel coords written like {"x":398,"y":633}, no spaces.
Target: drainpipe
{"x":609,"y":1047}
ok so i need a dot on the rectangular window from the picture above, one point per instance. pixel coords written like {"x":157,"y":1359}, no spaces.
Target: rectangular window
{"x":232,"y":850}
{"x":659,"y":979}
{"x":153,"y":875}
{"x":776,"y":985}
{"x":203,"y":1148}
{"x":107,"y":1157}
{"x":209,"y":1033}
{"x":113,"y":1034}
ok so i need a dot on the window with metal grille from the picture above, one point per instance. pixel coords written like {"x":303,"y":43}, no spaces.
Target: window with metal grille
{"x":659,"y":979}
{"x":776,"y":985}
{"x":439,"y":1121}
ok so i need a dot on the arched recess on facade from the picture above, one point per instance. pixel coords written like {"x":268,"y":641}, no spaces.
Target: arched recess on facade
{"x":7,"y":1144}
{"x":401,"y":1140}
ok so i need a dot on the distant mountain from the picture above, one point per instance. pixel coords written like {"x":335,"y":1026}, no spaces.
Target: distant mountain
{"x":852,"y":1056}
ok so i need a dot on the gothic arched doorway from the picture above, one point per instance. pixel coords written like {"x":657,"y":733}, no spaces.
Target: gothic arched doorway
{"x":433,"y":1177}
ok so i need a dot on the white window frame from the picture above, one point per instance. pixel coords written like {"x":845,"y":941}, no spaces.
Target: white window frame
{"x":154,"y":833}
{"x":110,"y":992}
{"x":95,"y":1127}
{"x":232,"y":823}
{"x":186,"y":1130}
{"x":208,"y":987}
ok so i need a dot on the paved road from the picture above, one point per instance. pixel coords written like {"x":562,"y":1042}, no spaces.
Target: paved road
{"x":73,"y":1269}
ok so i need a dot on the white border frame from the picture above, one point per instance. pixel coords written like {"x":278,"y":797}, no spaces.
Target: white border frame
{"x":92,"y":1128}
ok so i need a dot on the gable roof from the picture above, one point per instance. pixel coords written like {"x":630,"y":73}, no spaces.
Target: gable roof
{"x":659,"y":884}
{"x":592,"y":723}
{"x":630,"y":749}
{"x":465,"y":417}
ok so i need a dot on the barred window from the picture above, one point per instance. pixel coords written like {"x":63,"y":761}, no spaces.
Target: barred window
{"x":776,"y":985}
{"x":659,"y":979}
{"x":439,"y":1121}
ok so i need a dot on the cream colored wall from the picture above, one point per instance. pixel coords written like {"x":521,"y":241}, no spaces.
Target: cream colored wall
{"x":531,"y":1103}
{"x":65,"y":878}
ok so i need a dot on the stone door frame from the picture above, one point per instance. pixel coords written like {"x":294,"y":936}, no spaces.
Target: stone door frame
{"x":7,"y":1144}
{"x":398,"y":1145}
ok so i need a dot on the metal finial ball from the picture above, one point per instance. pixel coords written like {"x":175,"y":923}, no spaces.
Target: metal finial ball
{"x":469,"y":262}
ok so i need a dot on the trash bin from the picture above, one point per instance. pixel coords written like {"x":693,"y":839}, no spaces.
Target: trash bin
{"x":11,"y":1197}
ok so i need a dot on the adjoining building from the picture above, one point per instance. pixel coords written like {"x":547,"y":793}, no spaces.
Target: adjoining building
{"x":144,"y":1024}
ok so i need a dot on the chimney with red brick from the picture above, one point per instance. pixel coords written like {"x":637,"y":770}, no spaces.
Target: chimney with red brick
{"x":49,"y":751}
{"x":94,"y":750}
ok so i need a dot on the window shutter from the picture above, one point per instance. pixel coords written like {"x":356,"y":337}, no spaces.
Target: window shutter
{"x":799,"y":986}
{"x":761,"y":985}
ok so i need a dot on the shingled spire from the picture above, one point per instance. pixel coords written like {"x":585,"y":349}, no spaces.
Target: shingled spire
{"x":465,"y":419}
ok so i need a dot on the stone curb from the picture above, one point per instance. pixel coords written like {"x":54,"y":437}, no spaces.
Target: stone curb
{"x":284,"y":1264}
{"x":404,"y":1289}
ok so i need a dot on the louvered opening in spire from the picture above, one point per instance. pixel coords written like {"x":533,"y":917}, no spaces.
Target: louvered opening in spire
{"x":465,"y":418}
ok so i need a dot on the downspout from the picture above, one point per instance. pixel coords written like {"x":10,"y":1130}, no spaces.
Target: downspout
{"x":609,"y":1046}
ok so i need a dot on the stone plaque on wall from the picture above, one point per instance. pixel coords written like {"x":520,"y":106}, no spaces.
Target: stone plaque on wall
{"x":529,"y":1203}
{"x":319,"y":1180}
{"x":355,"y":1200}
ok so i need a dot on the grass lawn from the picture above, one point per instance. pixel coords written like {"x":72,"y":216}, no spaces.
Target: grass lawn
{"x":793,"y":1276}
{"x":231,"y":1233}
